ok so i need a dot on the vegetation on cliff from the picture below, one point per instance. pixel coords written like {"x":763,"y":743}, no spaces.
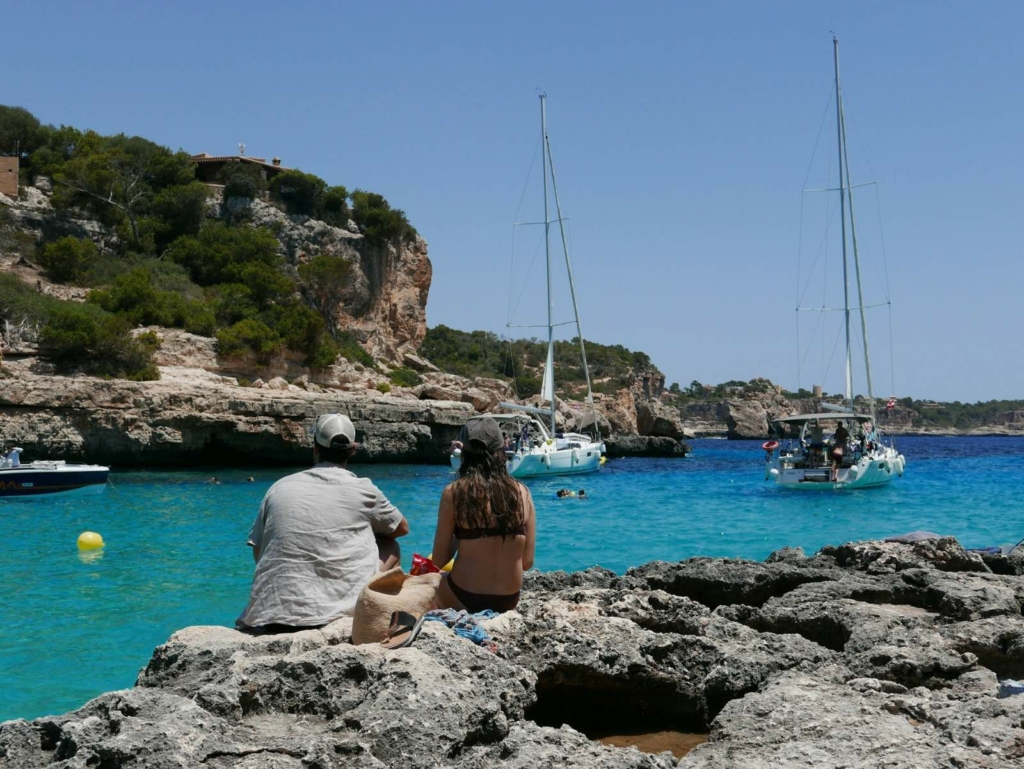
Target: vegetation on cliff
{"x":168,"y":263}
{"x":482,"y":353}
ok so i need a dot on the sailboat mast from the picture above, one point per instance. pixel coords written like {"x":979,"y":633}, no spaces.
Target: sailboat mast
{"x":549,"y":374}
{"x":572,"y":288}
{"x":860,"y":289}
{"x":842,"y":210}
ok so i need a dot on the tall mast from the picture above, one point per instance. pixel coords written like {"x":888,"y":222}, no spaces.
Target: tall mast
{"x":549,"y":374}
{"x":860,"y":289}
{"x":572,"y":287}
{"x":842,"y":210}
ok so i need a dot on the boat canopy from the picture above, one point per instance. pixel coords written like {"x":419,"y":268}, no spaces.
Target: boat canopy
{"x":827,"y":416}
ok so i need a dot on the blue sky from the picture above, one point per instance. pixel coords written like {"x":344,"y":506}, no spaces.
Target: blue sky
{"x":682,"y":135}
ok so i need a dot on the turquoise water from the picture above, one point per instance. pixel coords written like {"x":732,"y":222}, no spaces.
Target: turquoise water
{"x":75,"y":625}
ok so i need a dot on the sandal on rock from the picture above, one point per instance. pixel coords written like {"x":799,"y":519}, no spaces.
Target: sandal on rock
{"x":403,"y":630}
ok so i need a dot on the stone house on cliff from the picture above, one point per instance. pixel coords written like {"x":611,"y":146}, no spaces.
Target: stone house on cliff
{"x":9,"y":167}
{"x":208,"y":167}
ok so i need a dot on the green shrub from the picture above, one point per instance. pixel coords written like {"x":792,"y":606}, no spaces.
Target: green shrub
{"x":84,"y":336}
{"x":383,"y":387}
{"x":219,"y":253}
{"x":69,"y":259}
{"x":178,"y":211}
{"x":405,"y":377}
{"x":20,"y":302}
{"x":199,"y":319}
{"x":232,"y":302}
{"x":335,"y":209}
{"x":242,"y":179}
{"x":350,"y":349}
{"x":299,"y":326}
{"x":324,"y":354}
{"x":248,"y":336}
{"x":301,"y":193}
{"x":378,"y":220}
{"x":268,"y":284}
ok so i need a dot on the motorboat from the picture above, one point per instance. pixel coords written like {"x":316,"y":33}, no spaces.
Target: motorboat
{"x":48,"y":477}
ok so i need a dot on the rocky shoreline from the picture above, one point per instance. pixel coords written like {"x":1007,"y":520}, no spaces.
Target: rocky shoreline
{"x":863,"y":655}
{"x":193,"y":417}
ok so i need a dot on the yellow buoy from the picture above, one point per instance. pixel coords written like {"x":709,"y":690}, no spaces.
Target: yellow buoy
{"x":89,"y":540}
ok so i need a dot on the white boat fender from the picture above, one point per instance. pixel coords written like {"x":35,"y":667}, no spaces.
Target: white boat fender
{"x":575,"y":456}
{"x":853,"y":473}
{"x":774,"y":472}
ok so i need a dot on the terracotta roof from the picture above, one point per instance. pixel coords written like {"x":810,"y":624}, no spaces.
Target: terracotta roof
{"x":205,"y":158}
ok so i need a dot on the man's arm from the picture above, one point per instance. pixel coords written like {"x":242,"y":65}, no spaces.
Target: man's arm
{"x":386,"y":520}
{"x":400,"y":530}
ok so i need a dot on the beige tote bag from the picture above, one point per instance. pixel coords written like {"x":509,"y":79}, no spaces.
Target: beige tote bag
{"x":388,"y":592}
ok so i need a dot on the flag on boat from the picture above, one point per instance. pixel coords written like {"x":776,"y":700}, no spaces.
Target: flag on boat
{"x":891,"y":404}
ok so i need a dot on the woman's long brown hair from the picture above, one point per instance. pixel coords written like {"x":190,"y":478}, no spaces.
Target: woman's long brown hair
{"x":485,"y":489}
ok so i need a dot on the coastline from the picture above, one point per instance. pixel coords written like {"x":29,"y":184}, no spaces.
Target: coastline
{"x":877,"y":651}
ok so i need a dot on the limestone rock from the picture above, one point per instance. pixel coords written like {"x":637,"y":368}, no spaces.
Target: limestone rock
{"x":655,"y":418}
{"x":194,"y":417}
{"x":796,"y":662}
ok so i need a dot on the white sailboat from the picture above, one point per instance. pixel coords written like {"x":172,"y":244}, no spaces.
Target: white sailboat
{"x":808,"y":460}
{"x":536,"y":446}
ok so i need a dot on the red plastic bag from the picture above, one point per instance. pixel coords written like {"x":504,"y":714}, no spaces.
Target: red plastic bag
{"x":422,"y":565}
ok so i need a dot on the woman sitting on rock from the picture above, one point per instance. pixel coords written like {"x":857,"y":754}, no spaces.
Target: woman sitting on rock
{"x":488,"y":519}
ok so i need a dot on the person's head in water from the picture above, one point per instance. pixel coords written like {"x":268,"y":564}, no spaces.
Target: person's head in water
{"x":581,"y":493}
{"x":565,"y":493}
{"x":334,"y":439}
{"x":484,"y":487}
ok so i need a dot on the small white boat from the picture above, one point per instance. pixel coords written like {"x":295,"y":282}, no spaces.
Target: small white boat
{"x":48,"y":477}
{"x":533,"y":451}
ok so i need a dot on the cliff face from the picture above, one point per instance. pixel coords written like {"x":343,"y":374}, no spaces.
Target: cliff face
{"x":194,"y":417}
{"x":385,"y":303}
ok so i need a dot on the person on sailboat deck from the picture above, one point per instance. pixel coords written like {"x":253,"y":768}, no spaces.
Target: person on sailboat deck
{"x":839,"y":447}
{"x":487,"y":518}
{"x":816,"y":441}
{"x":870,"y":436}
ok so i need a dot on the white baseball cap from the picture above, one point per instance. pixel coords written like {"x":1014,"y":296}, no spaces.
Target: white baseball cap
{"x":332,"y":428}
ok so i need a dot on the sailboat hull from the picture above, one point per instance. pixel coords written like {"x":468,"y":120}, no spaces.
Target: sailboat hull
{"x":556,"y":462}
{"x":546,"y":460}
{"x":877,"y":469}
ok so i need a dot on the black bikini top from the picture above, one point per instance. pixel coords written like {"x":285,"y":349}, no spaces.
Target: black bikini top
{"x":490,"y":531}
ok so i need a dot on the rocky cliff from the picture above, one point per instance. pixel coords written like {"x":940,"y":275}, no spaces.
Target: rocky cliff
{"x":385,"y":303}
{"x":865,"y":655}
{"x":199,"y":415}
{"x":386,"y":299}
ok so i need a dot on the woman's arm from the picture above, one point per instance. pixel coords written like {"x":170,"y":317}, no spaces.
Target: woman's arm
{"x":445,"y":544}
{"x":531,"y":529}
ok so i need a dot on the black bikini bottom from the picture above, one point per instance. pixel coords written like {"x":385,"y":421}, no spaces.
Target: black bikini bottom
{"x":475,"y":602}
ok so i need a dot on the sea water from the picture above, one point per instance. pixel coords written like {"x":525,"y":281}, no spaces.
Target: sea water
{"x":73,"y":624}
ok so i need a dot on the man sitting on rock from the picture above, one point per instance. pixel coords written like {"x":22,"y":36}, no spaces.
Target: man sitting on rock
{"x":319,"y":537}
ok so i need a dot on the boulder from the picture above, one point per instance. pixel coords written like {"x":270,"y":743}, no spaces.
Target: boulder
{"x":655,"y":418}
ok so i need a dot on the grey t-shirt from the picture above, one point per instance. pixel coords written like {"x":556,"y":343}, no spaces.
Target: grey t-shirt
{"x":315,"y":532}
